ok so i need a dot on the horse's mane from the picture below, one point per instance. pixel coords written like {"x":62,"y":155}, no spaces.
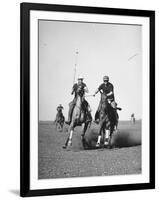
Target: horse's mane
{"x":104,"y":100}
{"x":105,"y":107}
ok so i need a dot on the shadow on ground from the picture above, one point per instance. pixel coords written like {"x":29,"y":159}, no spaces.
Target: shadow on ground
{"x":125,"y":137}
{"x":75,"y":161}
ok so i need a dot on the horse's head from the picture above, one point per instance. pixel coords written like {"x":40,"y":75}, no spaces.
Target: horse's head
{"x":104,"y":98}
{"x":104,"y":103}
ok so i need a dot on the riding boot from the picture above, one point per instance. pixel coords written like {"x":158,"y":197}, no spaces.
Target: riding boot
{"x":89,"y":116}
{"x":96,"y":120}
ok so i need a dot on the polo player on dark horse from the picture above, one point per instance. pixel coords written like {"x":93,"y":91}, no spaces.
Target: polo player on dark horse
{"x":107,"y":89}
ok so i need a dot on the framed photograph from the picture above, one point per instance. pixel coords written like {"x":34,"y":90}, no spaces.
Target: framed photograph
{"x":87,"y":99}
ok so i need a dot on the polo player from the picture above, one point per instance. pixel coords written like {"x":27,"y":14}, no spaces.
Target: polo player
{"x":106,"y":88}
{"x":80,"y":84}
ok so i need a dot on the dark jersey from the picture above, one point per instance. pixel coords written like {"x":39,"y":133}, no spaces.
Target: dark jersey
{"x":75,"y":87}
{"x":107,"y":88}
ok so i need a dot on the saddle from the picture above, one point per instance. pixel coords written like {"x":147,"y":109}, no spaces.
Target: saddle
{"x":85,"y":112}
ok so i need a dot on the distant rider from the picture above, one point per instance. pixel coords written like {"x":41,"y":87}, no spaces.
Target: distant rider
{"x":60,"y":107}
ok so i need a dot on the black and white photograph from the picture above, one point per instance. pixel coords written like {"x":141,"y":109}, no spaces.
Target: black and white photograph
{"x":90,"y":99}
{"x":90,"y":80}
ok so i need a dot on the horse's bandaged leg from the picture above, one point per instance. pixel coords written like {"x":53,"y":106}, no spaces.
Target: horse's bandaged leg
{"x":107,"y":134}
{"x":99,"y":138}
{"x":83,"y":129}
{"x":70,"y":136}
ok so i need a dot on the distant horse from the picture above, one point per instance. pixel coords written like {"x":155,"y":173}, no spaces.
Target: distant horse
{"x":60,"y":120}
{"x":132,"y":119}
{"x":79,"y":118}
{"x":108,"y":120}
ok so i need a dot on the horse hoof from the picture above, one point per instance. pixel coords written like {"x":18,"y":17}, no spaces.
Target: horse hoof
{"x":64,"y":147}
{"x":97,"y":145}
{"x":106,"y":143}
{"x":69,"y":143}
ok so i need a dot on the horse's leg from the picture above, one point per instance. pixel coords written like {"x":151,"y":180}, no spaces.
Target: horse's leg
{"x":107,"y":134}
{"x":84,"y":128}
{"x":69,"y":138}
{"x":116,"y":127}
{"x":107,"y":137}
{"x":99,"y":133}
{"x":89,"y":124}
{"x":58,"y":125}
{"x":62,"y":126}
{"x":111,"y":133}
{"x":82,"y":135}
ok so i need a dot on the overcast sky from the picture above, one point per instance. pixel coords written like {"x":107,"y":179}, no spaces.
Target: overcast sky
{"x":104,"y":49}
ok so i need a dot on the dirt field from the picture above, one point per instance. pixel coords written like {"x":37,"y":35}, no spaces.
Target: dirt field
{"x":56,"y":162}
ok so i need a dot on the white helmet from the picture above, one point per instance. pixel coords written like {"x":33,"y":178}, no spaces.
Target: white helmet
{"x":80,"y":77}
{"x":106,"y":78}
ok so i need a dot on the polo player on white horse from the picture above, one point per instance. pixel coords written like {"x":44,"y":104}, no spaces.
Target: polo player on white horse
{"x":80,"y":84}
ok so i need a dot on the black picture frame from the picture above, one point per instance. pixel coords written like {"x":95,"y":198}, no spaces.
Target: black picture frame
{"x":25,"y":9}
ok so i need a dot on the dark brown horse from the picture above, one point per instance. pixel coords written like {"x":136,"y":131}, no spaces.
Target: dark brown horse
{"x":79,"y":118}
{"x":107,"y":121}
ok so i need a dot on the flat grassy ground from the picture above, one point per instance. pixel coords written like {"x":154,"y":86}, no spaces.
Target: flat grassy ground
{"x":56,"y":162}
